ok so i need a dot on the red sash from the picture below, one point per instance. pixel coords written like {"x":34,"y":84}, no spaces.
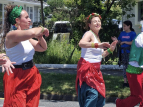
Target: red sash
{"x":91,"y":74}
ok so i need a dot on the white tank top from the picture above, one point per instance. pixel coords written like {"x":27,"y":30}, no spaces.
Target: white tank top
{"x":92,"y":55}
{"x":21,"y":53}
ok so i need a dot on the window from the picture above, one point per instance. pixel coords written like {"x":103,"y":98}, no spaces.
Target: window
{"x":140,"y":10}
{"x":38,"y":14}
{"x":1,"y":16}
{"x":30,"y":12}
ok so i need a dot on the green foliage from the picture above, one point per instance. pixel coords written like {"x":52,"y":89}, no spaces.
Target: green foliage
{"x":76,"y":11}
{"x":58,"y":53}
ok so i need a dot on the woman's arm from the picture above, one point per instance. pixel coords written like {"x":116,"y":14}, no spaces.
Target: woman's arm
{"x":39,"y":45}
{"x":88,"y":40}
{"x":125,"y":42}
{"x":22,"y":35}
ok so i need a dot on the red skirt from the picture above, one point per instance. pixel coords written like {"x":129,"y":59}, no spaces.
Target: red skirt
{"x":22,"y":88}
{"x":91,"y":74}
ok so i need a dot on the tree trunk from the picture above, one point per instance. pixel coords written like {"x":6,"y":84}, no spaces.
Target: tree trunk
{"x":42,"y":15}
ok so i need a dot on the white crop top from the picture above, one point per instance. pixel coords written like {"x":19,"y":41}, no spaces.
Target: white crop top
{"x":92,"y":55}
{"x":21,"y":53}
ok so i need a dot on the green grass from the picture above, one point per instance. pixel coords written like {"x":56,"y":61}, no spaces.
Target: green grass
{"x":58,"y":53}
{"x":64,"y":84}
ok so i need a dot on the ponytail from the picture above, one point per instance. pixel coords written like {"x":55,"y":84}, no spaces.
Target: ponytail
{"x":132,"y":29}
{"x":7,"y":24}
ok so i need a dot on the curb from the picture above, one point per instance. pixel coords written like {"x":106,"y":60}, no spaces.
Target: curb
{"x":103,"y":67}
{"x":74,"y":66}
{"x":63,"y":97}
{"x":69,"y":97}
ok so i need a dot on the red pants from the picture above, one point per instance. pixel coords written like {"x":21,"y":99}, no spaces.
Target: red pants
{"x":22,"y":88}
{"x":136,"y":88}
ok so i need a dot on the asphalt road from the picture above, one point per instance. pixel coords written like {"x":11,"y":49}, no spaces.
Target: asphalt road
{"x":53,"y":103}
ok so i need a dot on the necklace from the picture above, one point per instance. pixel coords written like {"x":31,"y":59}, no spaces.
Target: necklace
{"x":97,"y":37}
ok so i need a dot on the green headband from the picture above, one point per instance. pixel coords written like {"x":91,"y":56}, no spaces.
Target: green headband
{"x":15,"y":13}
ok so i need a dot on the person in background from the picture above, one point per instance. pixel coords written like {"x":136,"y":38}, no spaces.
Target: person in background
{"x":125,"y":40}
{"x":22,"y":87}
{"x":134,"y":74}
{"x":90,"y":85}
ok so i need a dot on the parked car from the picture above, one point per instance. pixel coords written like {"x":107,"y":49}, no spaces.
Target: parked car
{"x":62,"y":27}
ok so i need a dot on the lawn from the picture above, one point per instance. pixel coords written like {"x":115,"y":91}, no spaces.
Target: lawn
{"x":64,"y":84}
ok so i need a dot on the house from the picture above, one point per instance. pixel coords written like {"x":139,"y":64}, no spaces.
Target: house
{"x":138,"y":11}
{"x":31,"y":6}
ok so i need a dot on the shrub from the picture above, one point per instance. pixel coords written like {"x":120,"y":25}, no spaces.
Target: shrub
{"x":58,"y":52}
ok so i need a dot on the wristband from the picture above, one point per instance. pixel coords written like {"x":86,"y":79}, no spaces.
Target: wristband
{"x":96,"y":45}
{"x":92,"y":45}
{"x":42,"y":29}
{"x":109,"y":51}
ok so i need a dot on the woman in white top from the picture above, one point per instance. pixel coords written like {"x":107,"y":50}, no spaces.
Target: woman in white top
{"x":90,"y":85}
{"x":22,"y":86}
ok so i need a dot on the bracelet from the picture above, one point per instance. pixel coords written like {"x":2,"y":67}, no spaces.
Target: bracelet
{"x":109,"y":51}
{"x":4,"y":57}
{"x":96,"y":45}
{"x":92,"y":45}
{"x":42,"y":29}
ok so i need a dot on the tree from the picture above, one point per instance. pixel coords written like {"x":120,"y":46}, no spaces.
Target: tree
{"x":108,"y":9}
{"x":42,"y":15}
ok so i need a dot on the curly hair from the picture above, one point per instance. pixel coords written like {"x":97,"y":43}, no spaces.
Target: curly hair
{"x":7,"y":24}
{"x":88,"y":20}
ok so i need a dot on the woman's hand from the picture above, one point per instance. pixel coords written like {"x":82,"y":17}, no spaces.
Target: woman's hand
{"x":104,"y":45}
{"x":7,"y":66}
{"x":46,"y":32}
{"x":113,"y":45}
{"x":114,"y":38}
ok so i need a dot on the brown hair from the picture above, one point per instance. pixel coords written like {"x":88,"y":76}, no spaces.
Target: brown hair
{"x":7,"y":24}
{"x":89,"y":18}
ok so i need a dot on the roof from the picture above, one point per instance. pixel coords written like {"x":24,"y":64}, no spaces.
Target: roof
{"x":34,"y":1}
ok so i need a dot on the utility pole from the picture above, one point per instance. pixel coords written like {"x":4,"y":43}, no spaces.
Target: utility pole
{"x":42,"y":15}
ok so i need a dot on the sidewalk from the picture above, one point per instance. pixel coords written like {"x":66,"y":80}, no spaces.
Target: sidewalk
{"x":103,"y":67}
{"x":71,"y":69}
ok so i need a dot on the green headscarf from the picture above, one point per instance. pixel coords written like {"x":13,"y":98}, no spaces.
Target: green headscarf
{"x":15,"y":13}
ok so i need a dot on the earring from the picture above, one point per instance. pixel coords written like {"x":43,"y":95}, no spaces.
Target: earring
{"x":16,"y":25}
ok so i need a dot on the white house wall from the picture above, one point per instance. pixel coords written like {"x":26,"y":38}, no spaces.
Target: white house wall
{"x":134,"y":20}
{"x":35,"y":7}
